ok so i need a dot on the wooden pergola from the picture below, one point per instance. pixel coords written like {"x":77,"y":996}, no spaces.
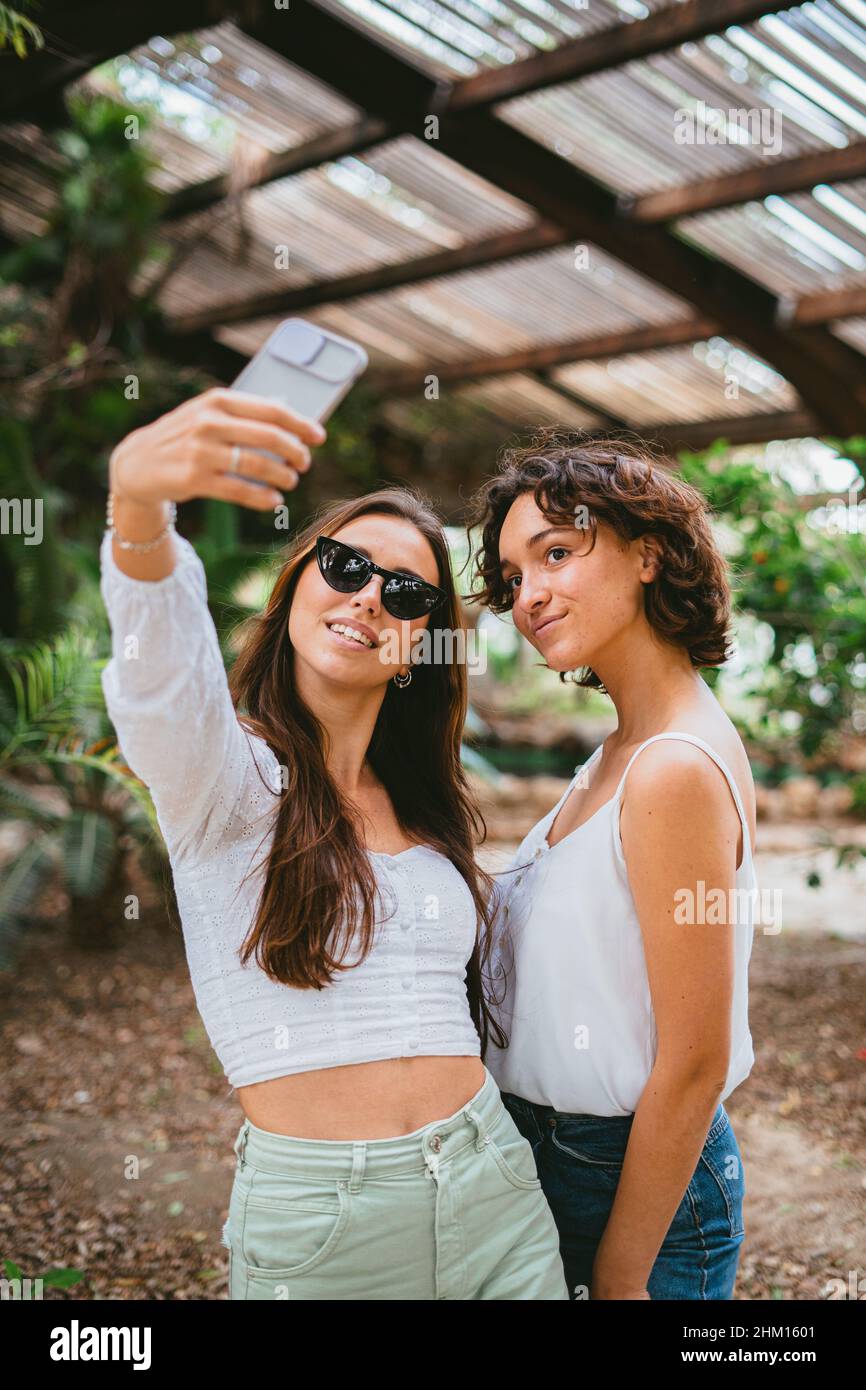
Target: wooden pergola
{"x":550,"y":252}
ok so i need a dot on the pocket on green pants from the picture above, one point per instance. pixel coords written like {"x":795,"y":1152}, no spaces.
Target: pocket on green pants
{"x":285,"y":1227}
{"x":512,"y":1154}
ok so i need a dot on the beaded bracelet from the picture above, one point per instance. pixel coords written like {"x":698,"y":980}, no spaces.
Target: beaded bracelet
{"x":138,"y":546}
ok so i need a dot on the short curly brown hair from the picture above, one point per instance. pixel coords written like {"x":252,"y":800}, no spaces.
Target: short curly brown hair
{"x":621,"y":483}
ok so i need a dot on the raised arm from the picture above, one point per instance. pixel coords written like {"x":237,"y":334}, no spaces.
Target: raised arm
{"x":165,"y":684}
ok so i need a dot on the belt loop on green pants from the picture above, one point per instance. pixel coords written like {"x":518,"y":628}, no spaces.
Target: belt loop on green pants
{"x":481,"y":1137}
{"x":359,"y":1160}
{"x":240,"y":1144}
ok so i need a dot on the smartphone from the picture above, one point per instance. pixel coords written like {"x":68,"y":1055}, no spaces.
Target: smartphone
{"x":305,"y":367}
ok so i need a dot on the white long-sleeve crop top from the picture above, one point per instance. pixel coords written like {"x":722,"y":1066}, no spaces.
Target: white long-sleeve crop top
{"x":167,"y":695}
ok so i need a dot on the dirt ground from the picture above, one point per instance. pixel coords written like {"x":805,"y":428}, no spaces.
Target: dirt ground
{"x":117,"y":1124}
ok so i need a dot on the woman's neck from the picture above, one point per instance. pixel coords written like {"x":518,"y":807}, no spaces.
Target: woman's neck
{"x":348,"y":718}
{"x":651,"y":683}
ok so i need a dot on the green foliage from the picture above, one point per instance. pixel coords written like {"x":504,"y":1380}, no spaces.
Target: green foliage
{"x":34,"y":577}
{"x":62,"y":778}
{"x":18,"y":32}
{"x":350,"y":441}
{"x":77,"y":376}
{"x":106,"y":209}
{"x":858,"y":789}
{"x":89,"y":841}
{"x":54,"y":1278}
{"x":808,"y":585}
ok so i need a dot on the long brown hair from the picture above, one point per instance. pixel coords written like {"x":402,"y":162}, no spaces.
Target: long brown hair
{"x":320,"y":891}
{"x":620,"y":482}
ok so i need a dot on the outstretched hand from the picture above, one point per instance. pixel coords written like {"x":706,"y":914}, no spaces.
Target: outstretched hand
{"x":190,"y":452}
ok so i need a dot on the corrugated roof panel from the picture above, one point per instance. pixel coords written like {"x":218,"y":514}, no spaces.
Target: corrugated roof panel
{"x":714,"y":380}
{"x":462,"y":37}
{"x":792,"y":244}
{"x":798,"y":78}
{"x":348,"y":216}
{"x":433,"y":181}
{"x":540,"y":298}
{"x":219,"y":92}
{"x":509,"y":307}
{"x":521,"y":400}
{"x":217,"y":83}
{"x":248,"y":337}
{"x":711,"y":380}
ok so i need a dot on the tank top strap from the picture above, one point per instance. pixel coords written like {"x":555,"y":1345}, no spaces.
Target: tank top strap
{"x":720,"y":763}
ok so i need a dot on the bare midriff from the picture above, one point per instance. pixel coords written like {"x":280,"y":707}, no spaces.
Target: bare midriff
{"x":368,"y":1100}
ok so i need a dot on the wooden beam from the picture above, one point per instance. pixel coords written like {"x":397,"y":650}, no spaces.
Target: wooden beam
{"x":608,"y":48}
{"x":411,"y":379}
{"x":781,"y":176}
{"x":823,"y":307}
{"x":506,"y":246}
{"x":749,"y":429}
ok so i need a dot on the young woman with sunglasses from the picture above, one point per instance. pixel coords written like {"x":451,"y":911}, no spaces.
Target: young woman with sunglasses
{"x":621,"y":963}
{"x":321,"y":843}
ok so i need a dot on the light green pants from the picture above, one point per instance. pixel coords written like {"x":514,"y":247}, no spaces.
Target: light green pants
{"x":454,"y":1210}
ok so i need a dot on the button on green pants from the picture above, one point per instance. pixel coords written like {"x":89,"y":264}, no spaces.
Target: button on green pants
{"x":453,"y":1210}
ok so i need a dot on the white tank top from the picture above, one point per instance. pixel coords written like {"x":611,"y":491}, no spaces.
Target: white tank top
{"x":569,"y":960}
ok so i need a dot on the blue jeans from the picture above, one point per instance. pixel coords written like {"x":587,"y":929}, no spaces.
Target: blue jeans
{"x":579,"y":1160}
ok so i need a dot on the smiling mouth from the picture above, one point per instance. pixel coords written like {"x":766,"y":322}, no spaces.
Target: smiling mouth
{"x":544,"y":626}
{"x":351,"y":636}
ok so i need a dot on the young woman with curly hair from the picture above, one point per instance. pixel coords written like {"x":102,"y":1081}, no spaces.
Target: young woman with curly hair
{"x":321,"y":836}
{"x":627,"y":914}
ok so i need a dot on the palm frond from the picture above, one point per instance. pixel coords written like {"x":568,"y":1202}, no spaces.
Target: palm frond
{"x":108,"y":764}
{"x":21,"y":882}
{"x":89,"y":844}
{"x":53,"y":687}
{"x":18,"y":803}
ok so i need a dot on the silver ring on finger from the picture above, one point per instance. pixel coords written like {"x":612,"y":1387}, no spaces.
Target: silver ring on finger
{"x":236,"y":457}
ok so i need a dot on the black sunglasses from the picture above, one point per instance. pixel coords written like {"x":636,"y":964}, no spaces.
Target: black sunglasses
{"x":347,"y":571}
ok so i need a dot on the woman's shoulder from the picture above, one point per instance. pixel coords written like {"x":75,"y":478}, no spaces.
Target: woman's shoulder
{"x":671,"y":763}
{"x":691,"y":766}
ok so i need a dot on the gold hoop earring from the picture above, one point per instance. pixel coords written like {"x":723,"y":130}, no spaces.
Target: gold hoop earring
{"x":402,"y":679}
